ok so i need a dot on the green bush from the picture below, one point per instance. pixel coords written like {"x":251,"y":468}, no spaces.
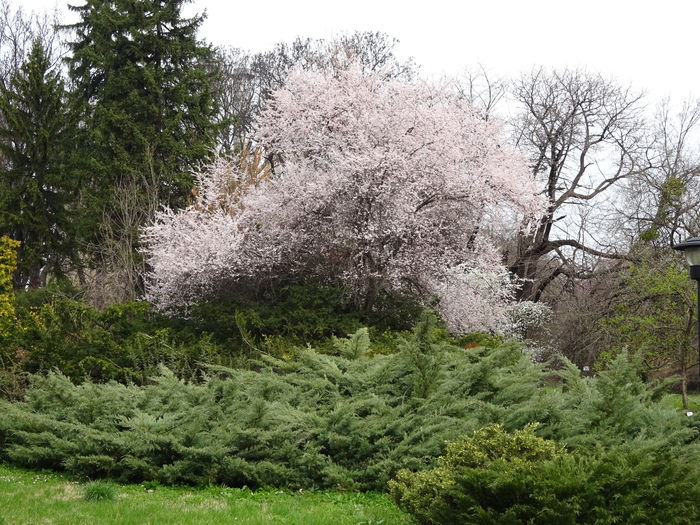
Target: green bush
{"x":128,"y":342}
{"x":479,"y":480}
{"x":351,"y":420}
{"x":613,"y":408}
{"x":281,"y":319}
{"x":125,"y":342}
{"x":495,"y":477}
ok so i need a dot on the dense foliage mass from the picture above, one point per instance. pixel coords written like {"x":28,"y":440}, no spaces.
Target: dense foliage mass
{"x":345,"y":196}
{"x":352,"y":420}
{"x":381,"y":186}
{"x":146,"y":92}
{"x":52,"y":328}
{"x":493,"y":477}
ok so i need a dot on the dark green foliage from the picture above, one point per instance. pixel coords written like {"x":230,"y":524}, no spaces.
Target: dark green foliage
{"x":38,"y":191}
{"x":143,"y":79}
{"x":124,"y":342}
{"x":128,"y":341}
{"x":296,"y":316}
{"x":142,"y":87}
{"x":351,"y":420}
{"x":494,"y":477}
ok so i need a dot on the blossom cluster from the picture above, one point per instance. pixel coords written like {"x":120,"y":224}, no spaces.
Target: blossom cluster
{"x":379,"y":185}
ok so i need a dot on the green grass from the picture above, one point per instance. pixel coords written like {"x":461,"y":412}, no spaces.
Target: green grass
{"x":676,"y":401}
{"x":28,"y":497}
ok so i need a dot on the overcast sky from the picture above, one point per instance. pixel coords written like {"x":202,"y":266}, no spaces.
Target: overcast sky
{"x":652,"y":45}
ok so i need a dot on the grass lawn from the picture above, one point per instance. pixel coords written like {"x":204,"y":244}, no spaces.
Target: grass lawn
{"x":49,"y":498}
{"x":676,"y":401}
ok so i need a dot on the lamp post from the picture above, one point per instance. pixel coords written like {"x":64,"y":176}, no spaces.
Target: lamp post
{"x":691,"y":249}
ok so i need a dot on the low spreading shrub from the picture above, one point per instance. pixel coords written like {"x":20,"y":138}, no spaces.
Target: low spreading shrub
{"x":350,"y":420}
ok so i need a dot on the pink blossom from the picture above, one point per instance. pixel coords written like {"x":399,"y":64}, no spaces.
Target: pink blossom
{"x":379,"y":186}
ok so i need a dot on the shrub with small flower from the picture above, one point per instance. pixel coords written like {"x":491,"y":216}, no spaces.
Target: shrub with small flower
{"x":8,"y":263}
{"x":11,"y":352}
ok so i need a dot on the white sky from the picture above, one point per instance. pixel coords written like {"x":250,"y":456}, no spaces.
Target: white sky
{"x":651,"y":45}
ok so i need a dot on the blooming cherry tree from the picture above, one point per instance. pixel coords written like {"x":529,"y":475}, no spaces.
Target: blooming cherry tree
{"x":378,"y":186}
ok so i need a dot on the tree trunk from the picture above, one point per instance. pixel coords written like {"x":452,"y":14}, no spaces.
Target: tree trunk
{"x":371,"y":295}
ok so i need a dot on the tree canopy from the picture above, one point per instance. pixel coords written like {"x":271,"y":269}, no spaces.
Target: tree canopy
{"x":145,"y":84}
{"x":37,"y":192}
{"x":379,"y":185}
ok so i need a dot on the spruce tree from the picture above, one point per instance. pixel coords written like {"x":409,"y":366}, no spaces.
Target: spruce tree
{"x":145,"y":85}
{"x":37,"y":189}
{"x":147,"y":119}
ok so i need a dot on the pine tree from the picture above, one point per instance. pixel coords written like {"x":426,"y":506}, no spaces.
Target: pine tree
{"x":147,"y":119}
{"x":145,"y":84}
{"x":37,"y":192}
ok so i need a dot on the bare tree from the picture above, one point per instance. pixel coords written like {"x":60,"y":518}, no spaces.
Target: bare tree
{"x":19,"y":30}
{"x":375,"y":51}
{"x":239,"y":96}
{"x":647,"y":214}
{"x":662,"y":206}
{"x":482,"y":91}
{"x":583,"y":136}
{"x":117,"y":269}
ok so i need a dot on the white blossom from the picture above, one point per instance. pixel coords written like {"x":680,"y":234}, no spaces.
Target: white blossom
{"x":379,"y":186}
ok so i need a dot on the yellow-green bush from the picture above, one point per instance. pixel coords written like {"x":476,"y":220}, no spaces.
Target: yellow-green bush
{"x":8,"y":263}
{"x":12,"y":354}
{"x":429,"y":495}
{"x":495,"y":477}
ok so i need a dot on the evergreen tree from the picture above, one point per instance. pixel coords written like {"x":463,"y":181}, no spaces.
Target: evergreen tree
{"x":145,"y":85}
{"x":37,"y":191}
